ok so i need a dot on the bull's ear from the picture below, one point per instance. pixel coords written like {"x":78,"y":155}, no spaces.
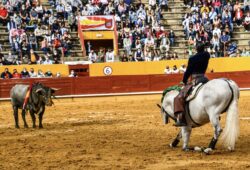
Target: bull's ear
{"x":53,"y":90}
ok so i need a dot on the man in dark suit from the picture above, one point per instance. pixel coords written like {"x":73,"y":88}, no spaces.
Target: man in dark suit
{"x":197,"y":66}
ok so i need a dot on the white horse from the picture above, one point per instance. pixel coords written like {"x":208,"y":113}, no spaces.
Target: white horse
{"x":214,"y":98}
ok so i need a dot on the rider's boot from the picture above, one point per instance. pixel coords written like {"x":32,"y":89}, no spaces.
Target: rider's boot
{"x":180,"y":120}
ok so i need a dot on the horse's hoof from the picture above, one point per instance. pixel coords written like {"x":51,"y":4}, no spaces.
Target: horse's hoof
{"x":26,"y":126}
{"x":230,"y":148}
{"x":34,"y":126}
{"x":40,"y":127}
{"x":197,"y":148}
{"x":208,"y":151}
{"x":186,"y":149}
{"x":17,"y":127}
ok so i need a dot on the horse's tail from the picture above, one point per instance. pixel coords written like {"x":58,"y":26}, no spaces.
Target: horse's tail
{"x":231,"y":130}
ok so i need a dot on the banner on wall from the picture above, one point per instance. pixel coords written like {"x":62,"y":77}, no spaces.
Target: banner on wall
{"x":97,"y":22}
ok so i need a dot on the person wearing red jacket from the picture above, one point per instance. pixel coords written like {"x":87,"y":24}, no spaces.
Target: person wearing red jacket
{"x":238,"y":16}
{"x":3,"y":15}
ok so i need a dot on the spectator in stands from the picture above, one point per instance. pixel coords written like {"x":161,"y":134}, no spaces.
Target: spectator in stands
{"x":73,"y":73}
{"x":60,"y":10}
{"x":165,"y":44}
{"x":32,"y":73}
{"x":138,"y":56}
{"x":33,"y":56}
{"x":232,"y":49}
{"x":11,"y":24}
{"x":56,"y":56}
{"x":38,"y":33}
{"x":216,"y":43}
{"x":58,"y":74}
{"x":175,"y":56}
{"x":48,"y":74}
{"x":246,"y":5}
{"x":33,"y":15}
{"x":238,"y":17}
{"x":25,"y":48}
{"x":24,"y":14}
{"x":127,"y":43}
{"x":175,"y":70}
{"x":3,"y":15}
{"x":6,"y":74}
{"x":247,"y":22}
{"x":148,"y":45}
{"x":100,"y":56}
{"x":25,"y":73}
{"x":40,"y":74}
{"x":15,"y":74}
{"x":88,"y":48}
{"x":224,"y":39}
{"x":72,"y":22}
{"x":56,"y":43}
{"x":167,"y":70}
{"x":110,"y":57}
{"x":125,"y":58}
{"x":45,"y":46}
{"x":47,"y":59}
{"x":33,"y":41}
{"x":171,"y":37}
{"x":92,"y":56}
{"x":183,"y":68}
{"x":245,"y":53}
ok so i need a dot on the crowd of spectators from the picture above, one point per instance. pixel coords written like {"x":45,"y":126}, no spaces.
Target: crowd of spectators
{"x":175,"y":70}
{"x":212,"y":22}
{"x":32,"y":27}
{"x":141,"y":30}
{"x":6,"y":74}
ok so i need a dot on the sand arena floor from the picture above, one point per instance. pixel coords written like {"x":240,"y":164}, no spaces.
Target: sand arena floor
{"x":113,"y":133}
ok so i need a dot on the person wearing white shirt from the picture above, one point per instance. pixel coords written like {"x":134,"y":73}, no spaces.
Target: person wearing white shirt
{"x":167,"y":70}
{"x":110,"y":56}
{"x":183,"y":68}
{"x":32,"y":73}
{"x":149,"y":45}
{"x":217,"y":31}
{"x":47,"y":60}
{"x":175,"y":70}
{"x":92,"y":56}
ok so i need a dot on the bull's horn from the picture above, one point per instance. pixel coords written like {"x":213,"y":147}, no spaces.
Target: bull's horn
{"x":55,"y":89}
{"x":38,"y":90}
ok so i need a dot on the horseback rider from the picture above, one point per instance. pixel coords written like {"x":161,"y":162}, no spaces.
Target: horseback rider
{"x":197,"y":66}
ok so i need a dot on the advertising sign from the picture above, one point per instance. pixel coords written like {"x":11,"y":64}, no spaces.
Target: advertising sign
{"x":97,"y":22}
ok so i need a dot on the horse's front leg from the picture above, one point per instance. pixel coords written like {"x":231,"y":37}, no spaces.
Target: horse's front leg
{"x":186,"y":132}
{"x":176,"y":140}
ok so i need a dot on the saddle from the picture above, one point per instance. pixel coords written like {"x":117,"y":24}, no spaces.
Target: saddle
{"x":195,"y":88}
{"x":194,"y":91}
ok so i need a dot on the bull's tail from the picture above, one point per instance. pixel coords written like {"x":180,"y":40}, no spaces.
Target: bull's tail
{"x":231,"y":130}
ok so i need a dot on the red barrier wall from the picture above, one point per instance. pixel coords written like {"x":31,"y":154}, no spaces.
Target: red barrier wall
{"x":116,"y":84}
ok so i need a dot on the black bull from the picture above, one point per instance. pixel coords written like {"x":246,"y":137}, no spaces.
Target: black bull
{"x":39,"y":96}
